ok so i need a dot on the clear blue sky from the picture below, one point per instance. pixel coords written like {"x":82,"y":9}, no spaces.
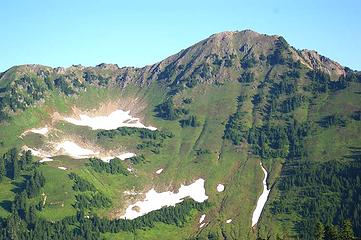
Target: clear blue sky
{"x":136,"y":33}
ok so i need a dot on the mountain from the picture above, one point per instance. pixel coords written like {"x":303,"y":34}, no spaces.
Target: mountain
{"x":234,"y":119}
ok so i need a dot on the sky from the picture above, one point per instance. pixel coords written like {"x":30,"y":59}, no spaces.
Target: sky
{"x":138,"y":33}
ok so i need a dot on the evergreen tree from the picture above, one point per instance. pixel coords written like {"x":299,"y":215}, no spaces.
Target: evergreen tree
{"x":2,"y":168}
{"x":332,"y":233}
{"x":347,"y":232}
{"x":320,"y":231}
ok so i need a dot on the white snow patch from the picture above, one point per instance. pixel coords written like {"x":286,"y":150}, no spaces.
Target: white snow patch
{"x":74,"y":150}
{"x":229,"y":221}
{"x":114,"y":120}
{"x":122,"y":156}
{"x":220,"y":187}
{"x":159,"y":171}
{"x":202,"y":225}
{"x":154,"y":201}
{"x":45,"y":160}
{"x":62,"y":168}
{"x":262,"y":199}
{"x":201,"y":219}
{"x":41,"y":131}
{"x":37,"y":153}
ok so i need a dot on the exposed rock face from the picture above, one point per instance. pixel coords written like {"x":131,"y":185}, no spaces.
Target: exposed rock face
{"x":317,"y":61}
{"x":216,"y":58}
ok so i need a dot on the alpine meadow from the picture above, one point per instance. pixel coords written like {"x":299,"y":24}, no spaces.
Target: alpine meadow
{"x":240,"y":136}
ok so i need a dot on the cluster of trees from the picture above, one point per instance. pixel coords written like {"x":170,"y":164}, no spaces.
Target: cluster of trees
{"x":176,"y":215}
{"x":329,"y":192}
{"x":332,"y":120}
{"x":64,"y":86}
{"x":136,"y":159}
{"x":143,"y":133}
{"x":19,"y":95}
{"x":249,"y":61}
{"x":334,"y":232}
{"x":80,"y":184}
{"x":246,"y":77}
{"x":235,"y":130}
{"x":91,"y":77}
{"x":23,"y":222}
{"x":356,"y":116}
{"x":115,"y":166}
{"x":272,"y":141}
{"x":34,"y":183}
{"x":292,"y":103}
{"x":191,"y":121}
{"x":277,"y":57}
{"x":167,"y":110}
{"x":12,"y":163}
{"x":321,"y":81}
{"x":201,"y":151}
{"x":92,"y":200}
{"x":153,"y":146}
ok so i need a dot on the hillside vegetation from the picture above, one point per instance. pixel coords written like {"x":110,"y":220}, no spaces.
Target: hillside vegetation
{"x":220,"y":107}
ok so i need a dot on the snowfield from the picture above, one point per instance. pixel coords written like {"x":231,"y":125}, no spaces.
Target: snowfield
{"x":159,"y":171}
{"x":201,"y":219}
{"x":74,"y":150}
{"x":41,"y":131}
{"x":262,"y":199}
{"x":114,"y":120}
{"x":154,"y":200}
{"x":220,"y":187}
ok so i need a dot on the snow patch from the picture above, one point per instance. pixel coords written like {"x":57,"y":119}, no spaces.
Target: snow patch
{"x":74,"y":150}
{"x":159,"y":171}
{"x":41,"y":131}
{"x":122,"y":156}
{"x":114,"y":120}
{"x":62,"y":168}
{"x":37,"y":153}
{"x":201,"y":219}
{"x":220,"y":187}
{"x":154,"y":200}
{"x":229,"y":221}
{"x":262,"y":199}
{"x":45,"y":160}
{"x":202,"y":225}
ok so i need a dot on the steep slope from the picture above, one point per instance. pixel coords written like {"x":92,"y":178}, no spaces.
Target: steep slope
{"x":221,"y":107}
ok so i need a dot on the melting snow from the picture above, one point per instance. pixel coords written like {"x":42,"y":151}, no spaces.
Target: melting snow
{"x":42,"y":131}
{"x":220,"y":187}
{"x":62,"y":168}
{"x":122,"y":156}
{"x":201,"y":219}
{"x":261,"y":200}
{"x":37,"y":153}
{"x":74,"y":150}
{"x":154,"y":201}
{"x":118,"y":118}
{"x":159,"y":171}
{"x":229,"y":221}
{"x":200,"y":226}
{"x":45,"y":160}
